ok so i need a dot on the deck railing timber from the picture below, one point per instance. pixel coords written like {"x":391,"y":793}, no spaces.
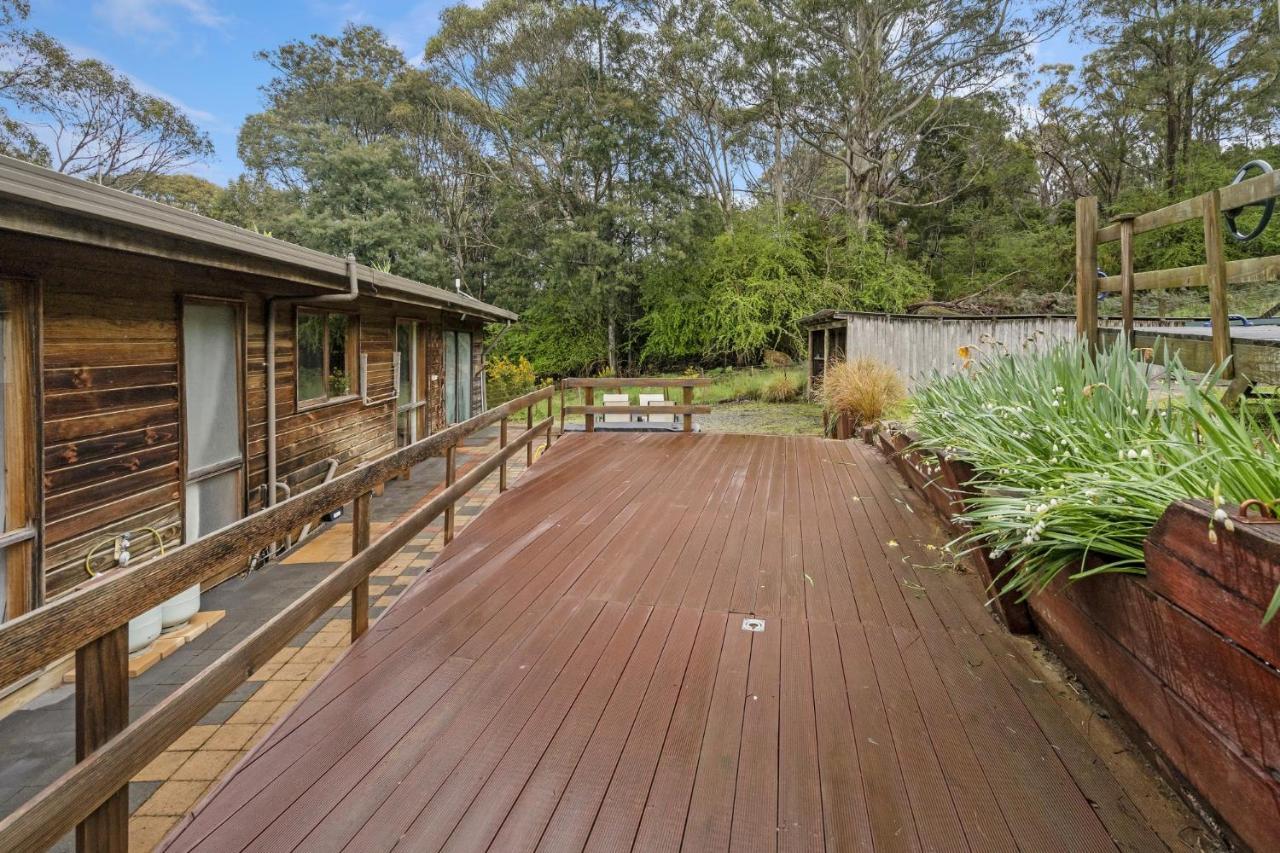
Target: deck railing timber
{"x":92,"y":622}
{"x":1216,"y":273}
{"x":686,"y":409}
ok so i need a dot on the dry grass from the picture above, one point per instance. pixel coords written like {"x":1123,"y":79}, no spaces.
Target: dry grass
{"x":864,"y":389}
{"x":781,"y":389}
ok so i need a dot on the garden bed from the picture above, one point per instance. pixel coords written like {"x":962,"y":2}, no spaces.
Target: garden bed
{"x":1181,"y":654}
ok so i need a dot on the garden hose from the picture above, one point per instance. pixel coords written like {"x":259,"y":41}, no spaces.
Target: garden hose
{"x":1268,"y":206}
{"x":88,"y":558}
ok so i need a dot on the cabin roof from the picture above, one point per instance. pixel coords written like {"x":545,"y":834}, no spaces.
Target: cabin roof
{"x":826,"y":315}
{"x":39,"y":201}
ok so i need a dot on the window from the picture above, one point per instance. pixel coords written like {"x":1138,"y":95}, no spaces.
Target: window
{"x":326,"y":353}
{"x":411,"y":401}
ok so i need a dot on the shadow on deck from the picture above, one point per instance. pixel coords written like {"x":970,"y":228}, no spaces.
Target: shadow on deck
{"x":575,"y":673}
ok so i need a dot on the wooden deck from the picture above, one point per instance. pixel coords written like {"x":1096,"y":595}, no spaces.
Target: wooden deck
{"x":574,"y":673}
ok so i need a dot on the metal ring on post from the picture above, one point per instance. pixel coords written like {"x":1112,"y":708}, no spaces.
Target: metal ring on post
{"x":1268,"y":206}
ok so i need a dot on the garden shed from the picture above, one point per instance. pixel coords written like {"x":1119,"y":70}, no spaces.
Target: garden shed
{"x":140,"y":342}
{"x":919,"y":345}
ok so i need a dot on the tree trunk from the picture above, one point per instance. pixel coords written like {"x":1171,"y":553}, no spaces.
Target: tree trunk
{"x":779,"y":187}
{"x":613,"y":344}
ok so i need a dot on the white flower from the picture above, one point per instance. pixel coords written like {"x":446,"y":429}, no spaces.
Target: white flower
{"x":1059,"y":390}
{"x":1219,"y":514}
{"x":1107,"y":434}
{"x":1042,"y":508}
{"x":1146,"y":453}
{"x":1132,"y":454}
{"x":1133,"y":413}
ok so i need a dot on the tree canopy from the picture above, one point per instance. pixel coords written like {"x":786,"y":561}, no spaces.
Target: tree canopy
{"x":670,"y":182}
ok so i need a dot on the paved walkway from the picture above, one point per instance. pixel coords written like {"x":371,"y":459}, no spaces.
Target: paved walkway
{"x":38,"y":741}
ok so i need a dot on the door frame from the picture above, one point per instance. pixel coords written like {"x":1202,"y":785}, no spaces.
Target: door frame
{"x":421,"y":407}
{"x":24,"y":589}
{"x":242,"y":357}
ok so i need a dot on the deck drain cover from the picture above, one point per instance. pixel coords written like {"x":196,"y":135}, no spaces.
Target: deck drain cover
{"x":753,"y":625}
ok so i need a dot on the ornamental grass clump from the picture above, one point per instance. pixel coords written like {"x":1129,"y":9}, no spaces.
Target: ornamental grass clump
{"x":864,"y":389}
{"x":1076,"y":460}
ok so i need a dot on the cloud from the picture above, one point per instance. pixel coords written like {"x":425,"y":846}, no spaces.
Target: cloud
{"x":159,"y":17}
{"x":204,"y":118}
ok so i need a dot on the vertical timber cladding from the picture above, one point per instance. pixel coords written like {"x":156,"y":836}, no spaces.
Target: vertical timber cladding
{"x":112,"y":454}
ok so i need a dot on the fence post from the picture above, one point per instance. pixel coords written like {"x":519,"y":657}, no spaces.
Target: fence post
{"x":1087,"y":270}
{"x":1126,"y":279}
{"x":589,"y":398}
{"x":1215,"y":269}
{"x":688,"y":401}
{"x":528,"y":448}
{"x":360,"y":525}
{"x":502,"y":442}
{"x":102,"y":711}
{"x":562,"y":383}
{"x":450,"y":474}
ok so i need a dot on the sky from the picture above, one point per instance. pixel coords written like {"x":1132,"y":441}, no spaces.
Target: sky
{"x":199,"y":54}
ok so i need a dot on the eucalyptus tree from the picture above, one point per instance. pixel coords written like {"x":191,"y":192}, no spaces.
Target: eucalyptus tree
{"x":1194,"y":71}
{"x":873,"y":78}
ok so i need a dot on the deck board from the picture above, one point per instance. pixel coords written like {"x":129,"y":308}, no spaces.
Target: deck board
{"x":574,"y":674}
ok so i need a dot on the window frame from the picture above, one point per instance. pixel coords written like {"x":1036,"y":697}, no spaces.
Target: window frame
{"x":352,"y":356}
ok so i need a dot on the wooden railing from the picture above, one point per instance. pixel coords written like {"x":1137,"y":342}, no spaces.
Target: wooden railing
{"x":92,"y":622}
{"x":1215,"y":273}
{"x":686,"y":409}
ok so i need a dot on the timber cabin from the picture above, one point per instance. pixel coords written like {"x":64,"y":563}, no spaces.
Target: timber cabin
{"x":135,"y":366}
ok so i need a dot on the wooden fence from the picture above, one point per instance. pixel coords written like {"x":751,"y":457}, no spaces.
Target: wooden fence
{"x":92,"y":623}
{"x":1215,"y":273}
{"x":686,"y":409}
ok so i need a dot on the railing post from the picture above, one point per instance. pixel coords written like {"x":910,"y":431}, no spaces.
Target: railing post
{"x":688,"y":401}
{"x":450,"y":474}
{"x":1126,"y":280}
{"x":1215,"y":269}
{"x":360,"y":525}
{"x":502,"y":442}
{"x":528,"y":448}
{"x":1087,"y":270}
{"x":102,"y":711}
{"x":562,"y":382}
{"x":589,"y":398}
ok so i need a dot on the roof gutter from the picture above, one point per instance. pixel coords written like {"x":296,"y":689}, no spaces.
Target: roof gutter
{"x":353,"y":291}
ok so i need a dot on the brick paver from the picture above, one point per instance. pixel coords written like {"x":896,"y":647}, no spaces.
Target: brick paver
{"x":38,"y":741}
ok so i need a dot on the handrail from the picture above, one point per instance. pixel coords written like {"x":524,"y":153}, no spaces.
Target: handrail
{"x":53,"y":631}
{"x":1230,"y":197}
{"x":93,"y":622}
{"x":78,"y":792}
{"x":1216,"y":273}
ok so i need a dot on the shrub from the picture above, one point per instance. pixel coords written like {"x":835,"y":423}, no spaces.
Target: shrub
{"x":780,"y":389}
{"x":508,"y":378}
{"x":774,"y":358}
{"x":864,"y":389}
{"x":1077,"y":460}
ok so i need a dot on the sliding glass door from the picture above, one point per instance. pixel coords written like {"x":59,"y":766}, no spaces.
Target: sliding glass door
{"x":457,"y":376}
{"x":211,"y":396}
{"x":411,"y":399}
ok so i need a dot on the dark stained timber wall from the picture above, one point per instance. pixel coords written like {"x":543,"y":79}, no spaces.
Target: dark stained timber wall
{"x":112,"y":451}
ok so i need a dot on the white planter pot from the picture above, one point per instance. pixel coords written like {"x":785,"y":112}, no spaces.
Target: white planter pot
{"x":143,"y":629}
{"x":179,"y":609}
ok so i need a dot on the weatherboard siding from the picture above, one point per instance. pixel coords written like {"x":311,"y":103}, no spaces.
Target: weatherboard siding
{"x":111,"y":409}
